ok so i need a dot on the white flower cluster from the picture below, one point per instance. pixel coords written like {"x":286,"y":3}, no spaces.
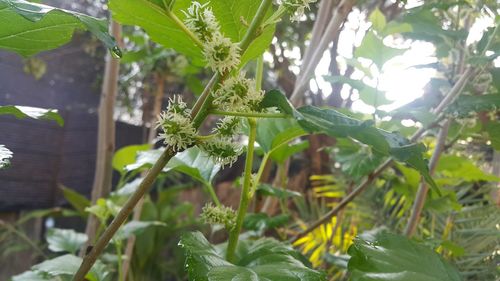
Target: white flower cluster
{"x":176,"y":124}
{"x":296,"y":8}
{"x":238,"y":94}
{"x":221,"y":54}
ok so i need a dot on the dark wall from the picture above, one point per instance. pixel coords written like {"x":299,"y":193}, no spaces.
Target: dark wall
{"x":46,"y":155}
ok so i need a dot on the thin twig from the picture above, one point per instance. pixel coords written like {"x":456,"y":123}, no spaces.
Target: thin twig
{"x":418,"y":204}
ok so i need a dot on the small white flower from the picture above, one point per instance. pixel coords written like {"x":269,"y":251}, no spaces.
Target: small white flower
{"x":201,"y":20}
{"x":221,"y":54}
{"x":296,"y":8}
{"x":222,"y":150}
{"x":228,"y":126}
{"x":176,"y":124}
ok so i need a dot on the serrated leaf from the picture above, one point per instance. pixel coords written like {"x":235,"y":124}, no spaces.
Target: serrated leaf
{"x":21,"y":112}
{"x":273,"y":133}
{"x":269,"y":190}
{"x":5,"y":156}
{"x":29,"y":28}
{"x":68,"y":265}
{"x":261,"y":222}
{"x":283,"y":152}
{"x":391,"y":257}
{"x":29,"y":276}
{"x":135,"y":228}
{"x":193,"y":162}
{"x":65,"y":240}
{"x":374,"y":49}
{"x":336,"y":124}
{"x":77,"y":200}
{"x":465,"y":105}
{"x":126,"y":156}
{"x":356,"y":161}
{"x":151,"y":16}
{"x":378,"y":20}
{"x":261,"y":260}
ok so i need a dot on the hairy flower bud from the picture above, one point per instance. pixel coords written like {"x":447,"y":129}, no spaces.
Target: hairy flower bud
{"x":221,"y":54}
{"x":222,"y":150}
{"x":238,"y":94}
{"x":228,"y":126}
{"x":201,"y":21}
{"x":219,"y":215}
{"x":176,"y":124}
{"x":296,"y":8}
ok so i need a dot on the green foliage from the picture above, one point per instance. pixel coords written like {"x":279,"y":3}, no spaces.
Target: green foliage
{"x":77,"y":201}
{"x":373,"y":48}
{"x":391,"y":257}
{"x":21,"y":112}
{"x":62,"y":267}
{"x":65,"y":240}
{"x":192,"y":162}
{"x":30,"y":28}
{"x":126,"y":156}
{"x":263,"y":259}
{"x":269,"y":190}
{"x":135,"y":228}
{"x":151,"y":16}
{"x":260,"y":222}
{"x":465,"y":105}
{"x":367,"y":94}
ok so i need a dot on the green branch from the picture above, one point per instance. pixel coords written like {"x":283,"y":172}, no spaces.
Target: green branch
{"x":248,"y":114}
{"x":246,"y":193}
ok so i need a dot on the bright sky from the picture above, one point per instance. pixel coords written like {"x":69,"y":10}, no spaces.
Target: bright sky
{"x":401,"y":81}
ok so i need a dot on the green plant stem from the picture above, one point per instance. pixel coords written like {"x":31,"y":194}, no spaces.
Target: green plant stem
{"x":183,"y":27}
{"x":259,"y":73}
{"x":255,"y":25}
{"x":20,"y":234}
{"x":248,"y":114}
{"x":118,"y":246}
{"x":213,"y":195}
{"x":199,"y":113}
{"x":246,"y":192}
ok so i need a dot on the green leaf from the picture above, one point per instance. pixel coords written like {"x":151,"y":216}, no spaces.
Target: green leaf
{"x":336,"y":124}
{"x":465,"y":105}
{"x":78,"y":201}
{"x":283,"y":152}
{"x":126,"y":156}
{"x":275,"y":98}
{"x":261,"y":260}
{"x":374,"y":49}
{"x":269,"y":190}
{"x":396,"y":27}
{"x":5,"y":156}
{"x":30,"y":276}
{"x":21,"y":112}
{"x":135,"y":228}
{"x":68,"y":265}
{"x":367,"y":94}
{"x":273,"y":133}
{"x":462,"y":169}
{"x":65,"y":240}
{"x":261,"y":222}
{"x":378,"y":20}
{"x":493,"y":130}
{"x":356,"y":161}
{"x":192,"y":162}
{"x":391,"y":257}
{"x":151,"y":16}
{"x":29,"y":28}
{"x":231,"y":15}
